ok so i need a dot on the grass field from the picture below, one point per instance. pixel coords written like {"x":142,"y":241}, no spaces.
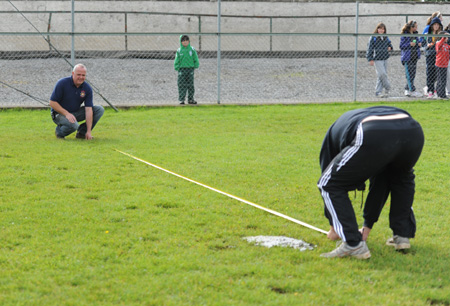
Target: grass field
{"x":82,"y":224}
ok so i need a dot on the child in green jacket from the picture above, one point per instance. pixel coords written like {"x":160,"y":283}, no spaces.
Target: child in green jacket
{"x":186,"y":60}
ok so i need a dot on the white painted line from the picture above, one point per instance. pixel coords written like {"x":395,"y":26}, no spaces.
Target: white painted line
{"x":227,"y":194}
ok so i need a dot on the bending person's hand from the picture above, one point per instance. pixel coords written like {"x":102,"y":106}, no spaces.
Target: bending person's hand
{"x":332,"y":235}
{"x":365,"y":231}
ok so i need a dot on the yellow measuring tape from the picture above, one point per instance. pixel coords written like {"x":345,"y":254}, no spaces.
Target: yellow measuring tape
{"x":226,"y":194}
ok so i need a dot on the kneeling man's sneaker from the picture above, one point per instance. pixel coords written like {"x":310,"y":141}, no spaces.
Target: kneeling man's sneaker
{"x":361,"y":251}
{"x":79,"y":136}
{"x":59,"y":137}
{"x":400,"y":243}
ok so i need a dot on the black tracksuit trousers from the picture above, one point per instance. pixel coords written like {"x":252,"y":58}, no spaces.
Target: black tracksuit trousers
{"x":384,"y":151}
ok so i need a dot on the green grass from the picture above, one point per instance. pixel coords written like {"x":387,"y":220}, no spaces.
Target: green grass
{"x":81,"y":224}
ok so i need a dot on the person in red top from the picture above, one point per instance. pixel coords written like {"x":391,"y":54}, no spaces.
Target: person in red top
{"x":442,"y":58}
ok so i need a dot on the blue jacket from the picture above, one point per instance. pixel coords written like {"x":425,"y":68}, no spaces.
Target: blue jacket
{"x":377,"y":48}
{"x":431,"y":51}
{"x":408,"y":52}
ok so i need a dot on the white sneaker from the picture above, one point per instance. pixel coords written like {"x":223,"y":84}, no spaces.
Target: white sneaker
{"x":430,"y":95}
{"x":442,"y":98}
{"x":416,"y":94}
{"x":361,"y":251}
{"x":425,"y":90}
{"x":400,"y":243}
{"x":407,"y":93}
{"x":435,"y":96}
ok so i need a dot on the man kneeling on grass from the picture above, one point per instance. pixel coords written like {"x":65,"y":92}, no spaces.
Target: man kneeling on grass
{"x":66,"y":100}
{"x":380,"y":143}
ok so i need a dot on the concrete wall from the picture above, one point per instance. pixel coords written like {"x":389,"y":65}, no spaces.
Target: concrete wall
{"x":139,"y":23}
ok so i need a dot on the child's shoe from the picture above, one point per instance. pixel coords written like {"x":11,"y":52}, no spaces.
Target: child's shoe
{"x":416,"y":94}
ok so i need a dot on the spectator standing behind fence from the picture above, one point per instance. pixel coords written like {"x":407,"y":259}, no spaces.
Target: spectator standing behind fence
{"x":447,"y":29}
{"x":377,"y":54}
{"x":423,"y":40}
{"x":186,"y":61}
{"x":430,"y":54}
{"x":430,"y":19}
{"x":66,"y":100}
{"x":410,"y":50}
{"x":442,"y":58}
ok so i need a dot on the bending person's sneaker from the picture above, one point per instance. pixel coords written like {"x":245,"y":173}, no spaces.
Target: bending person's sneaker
{"x":400,"y":243}
{"x":361,"y":251}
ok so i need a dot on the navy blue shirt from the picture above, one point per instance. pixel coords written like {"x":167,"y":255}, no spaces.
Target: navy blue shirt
{"x":70,"y":97}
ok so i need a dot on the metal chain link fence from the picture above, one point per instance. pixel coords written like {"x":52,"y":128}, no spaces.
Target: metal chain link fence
{"x":134,"y":69}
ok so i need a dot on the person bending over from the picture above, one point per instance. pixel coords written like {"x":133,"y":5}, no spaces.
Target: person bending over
{"x":380,"y":143}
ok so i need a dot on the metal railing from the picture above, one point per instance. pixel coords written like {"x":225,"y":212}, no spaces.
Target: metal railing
{"x":199,"y":17}
{"x":136,"y":67}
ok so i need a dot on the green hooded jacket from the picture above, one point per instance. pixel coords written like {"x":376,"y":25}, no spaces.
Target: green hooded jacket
{"x":186,"y":57}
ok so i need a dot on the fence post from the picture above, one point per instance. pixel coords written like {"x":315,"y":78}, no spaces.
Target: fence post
{"x":218,"y":51}
{"x":72,"y":52}
{"x":126,"y":31}
{"x":199,"y":30}
{"x":271,"y":19}
{"x":339,"y":32}
{"x":356,"y":52}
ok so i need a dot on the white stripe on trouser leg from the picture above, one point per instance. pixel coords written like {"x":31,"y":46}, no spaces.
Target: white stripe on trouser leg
{"x":327,"y":176}
{"x":335,"y":220}
{"x":352,"y":151}
{"x":328,"y":204}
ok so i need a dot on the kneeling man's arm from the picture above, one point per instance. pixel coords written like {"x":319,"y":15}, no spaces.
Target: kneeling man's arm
{"x":89,"y":119}
{"x":61,"y":110}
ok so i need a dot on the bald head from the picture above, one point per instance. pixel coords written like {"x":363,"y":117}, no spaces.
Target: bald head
{"x":79,"y":74}
{"x":77,"y":66}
